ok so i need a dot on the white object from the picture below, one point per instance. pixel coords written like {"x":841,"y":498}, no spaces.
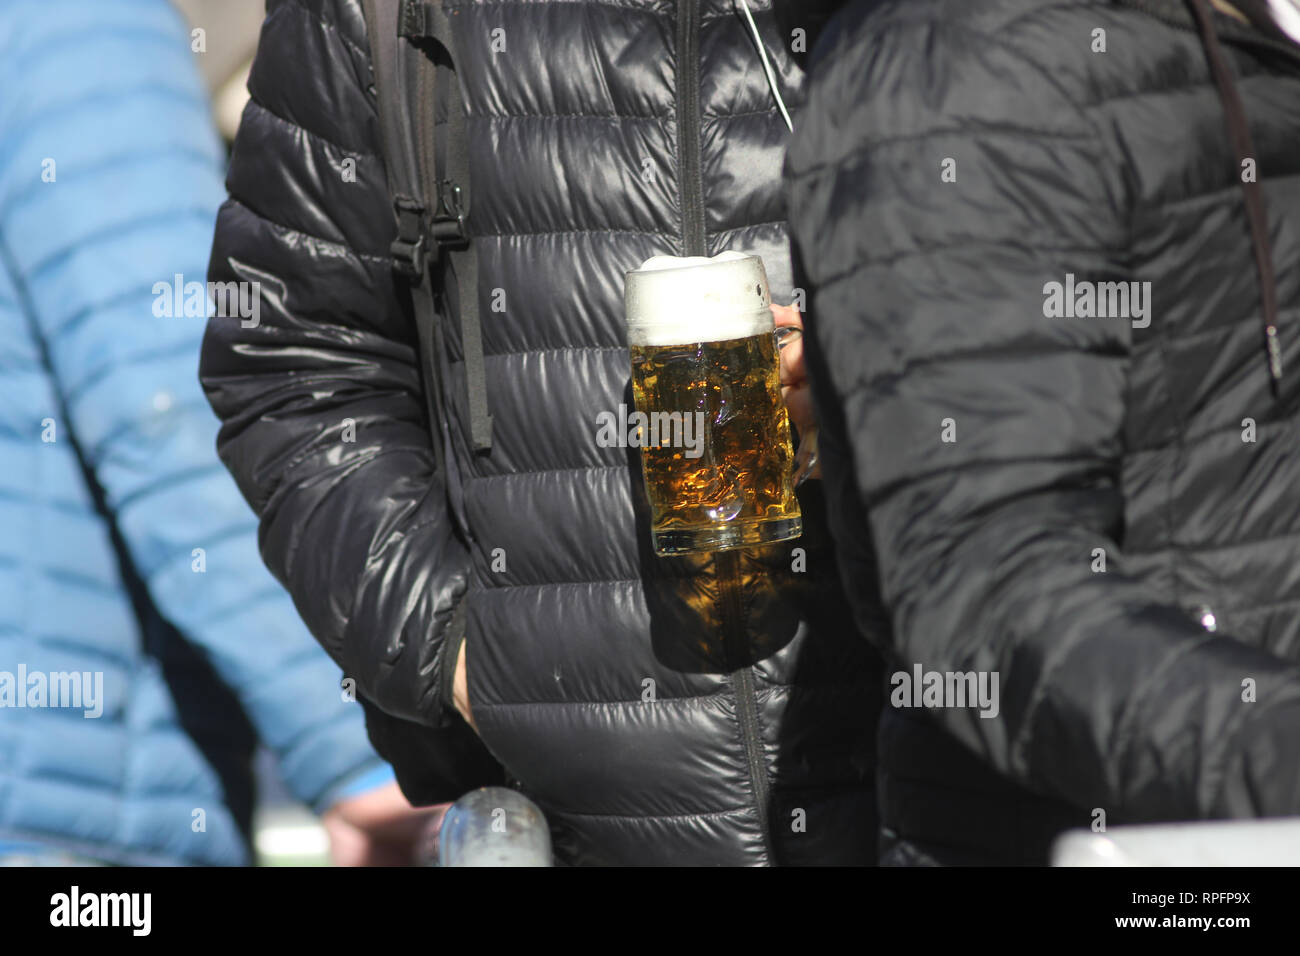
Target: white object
{"x":1273,"y":842}
{"x":1286,"y":14}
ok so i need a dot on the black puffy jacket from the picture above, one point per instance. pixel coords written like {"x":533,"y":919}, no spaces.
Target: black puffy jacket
{"x":1103,"y":511}
{"x":685,"y":710}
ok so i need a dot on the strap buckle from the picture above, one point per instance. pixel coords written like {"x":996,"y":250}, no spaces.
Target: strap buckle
{"x":408,"y":248}
{"x":448,"y":225}
{"x":414,"y":20}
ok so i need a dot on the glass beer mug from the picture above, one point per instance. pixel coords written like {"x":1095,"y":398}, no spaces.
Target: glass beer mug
{"x":706,"y":380}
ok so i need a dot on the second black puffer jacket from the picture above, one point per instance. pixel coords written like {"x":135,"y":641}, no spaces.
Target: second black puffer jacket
{"x":1105,"y":512}
{"x":688,"y":711}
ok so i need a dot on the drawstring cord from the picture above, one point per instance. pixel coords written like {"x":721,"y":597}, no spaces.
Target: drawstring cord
{"x":767,"y":66}
{"x":1239,"y":130}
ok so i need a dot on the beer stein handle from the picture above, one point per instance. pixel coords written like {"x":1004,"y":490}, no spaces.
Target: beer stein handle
{"x":785,"y":333}
{"x":807,"y":463}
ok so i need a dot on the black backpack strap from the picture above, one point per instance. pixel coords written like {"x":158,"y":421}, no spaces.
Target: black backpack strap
{"x":427,"y":20}
{"x":396,"y":78}
{"x":430,"y":212}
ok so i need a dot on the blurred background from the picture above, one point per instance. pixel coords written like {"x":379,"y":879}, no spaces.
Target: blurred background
{"x":230,"y":36}
{"x":286,"y":833}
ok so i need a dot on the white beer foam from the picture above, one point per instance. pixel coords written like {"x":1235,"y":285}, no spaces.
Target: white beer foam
{"x":681,"y":300}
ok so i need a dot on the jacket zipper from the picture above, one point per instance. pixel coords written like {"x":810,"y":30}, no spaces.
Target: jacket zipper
{"x":727,"y":563}
{"x":735,"y":644}
{"x":689,"y":179}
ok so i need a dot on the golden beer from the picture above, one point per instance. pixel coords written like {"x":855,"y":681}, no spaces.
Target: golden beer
{"x":715,"y":443}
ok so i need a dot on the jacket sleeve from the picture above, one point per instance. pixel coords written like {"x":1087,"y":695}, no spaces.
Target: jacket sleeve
{"x":319,"y":391}
{"x":106,"y":251}
{"x":985,"y":438}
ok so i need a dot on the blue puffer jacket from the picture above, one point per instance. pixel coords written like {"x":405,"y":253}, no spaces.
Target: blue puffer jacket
{"x":119,"y":529}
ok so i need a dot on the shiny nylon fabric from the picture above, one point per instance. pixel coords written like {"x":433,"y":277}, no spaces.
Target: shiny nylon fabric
{"x":570,"y":618}
{"x":1071,"y":434}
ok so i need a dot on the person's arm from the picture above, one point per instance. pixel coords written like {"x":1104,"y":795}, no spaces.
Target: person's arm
{"x":321,"y":400}
{"x":116,"y":106}
{"x":985,"y":438}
